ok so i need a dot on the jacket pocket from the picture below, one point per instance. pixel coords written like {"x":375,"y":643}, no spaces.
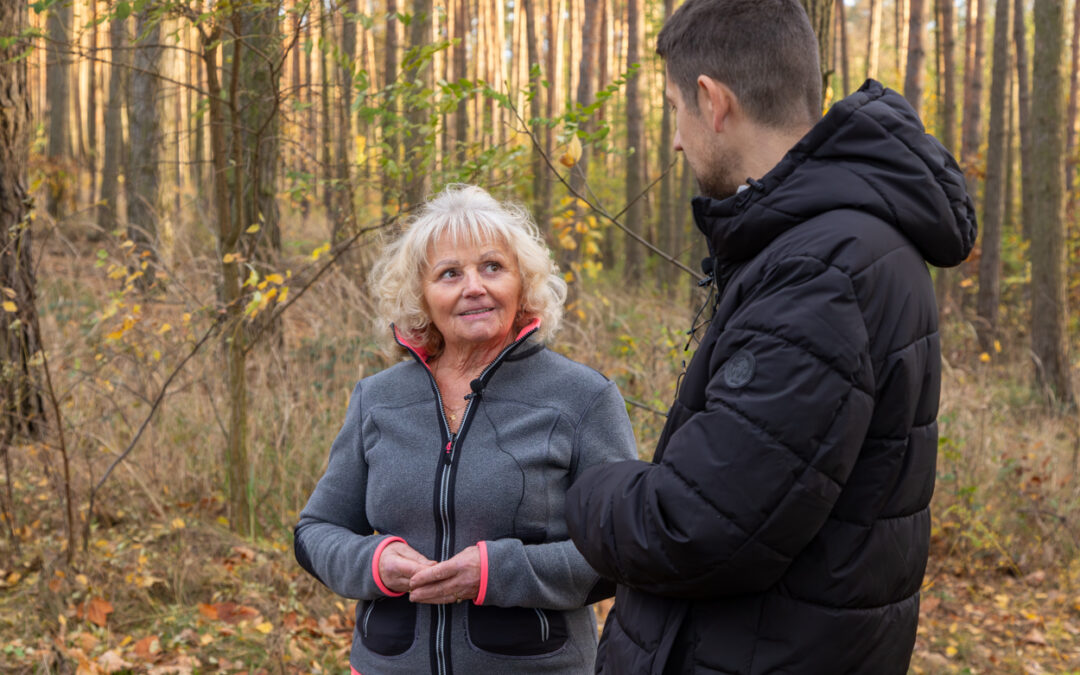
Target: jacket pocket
{"x":388,"y":626}
{"x":516,"y":631}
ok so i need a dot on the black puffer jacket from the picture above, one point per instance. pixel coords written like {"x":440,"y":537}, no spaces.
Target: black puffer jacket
{"x":784,"y":524}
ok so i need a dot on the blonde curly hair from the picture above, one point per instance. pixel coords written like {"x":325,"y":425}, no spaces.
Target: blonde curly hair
{"x":465,"y":214}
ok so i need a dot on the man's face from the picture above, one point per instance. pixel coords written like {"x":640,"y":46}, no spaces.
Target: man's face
{"x":711,"y":159}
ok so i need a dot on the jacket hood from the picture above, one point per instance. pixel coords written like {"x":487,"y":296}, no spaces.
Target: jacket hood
{"x":869,"y":153}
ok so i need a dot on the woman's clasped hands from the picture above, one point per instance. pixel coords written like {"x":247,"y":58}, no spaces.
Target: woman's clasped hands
{"x":404,"y":570}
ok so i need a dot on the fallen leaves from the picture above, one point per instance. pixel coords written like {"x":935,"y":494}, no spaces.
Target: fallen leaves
{"x":95,"y":610}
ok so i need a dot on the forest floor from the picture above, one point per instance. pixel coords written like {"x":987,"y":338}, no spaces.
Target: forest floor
{"x":178,"y":593}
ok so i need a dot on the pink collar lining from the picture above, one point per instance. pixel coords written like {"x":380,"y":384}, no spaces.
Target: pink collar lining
{"x":423,"y":354}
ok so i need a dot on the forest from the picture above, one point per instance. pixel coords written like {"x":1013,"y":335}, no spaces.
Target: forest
{"x":192,"y":193}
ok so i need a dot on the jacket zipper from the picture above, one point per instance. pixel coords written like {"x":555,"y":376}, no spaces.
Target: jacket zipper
{"x":444,"y":523}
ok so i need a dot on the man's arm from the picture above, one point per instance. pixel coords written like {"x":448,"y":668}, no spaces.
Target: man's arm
{"x":747,"y":482}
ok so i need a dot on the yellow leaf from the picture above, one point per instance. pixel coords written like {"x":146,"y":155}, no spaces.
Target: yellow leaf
{"x":284,"y":294}
{"x":997,"y":346}
{"x":967,"y":283}
{"x":252,"y":230}
{"x":165,"y":328}
{"x":950,"y":651}
{"x":156,"y":354}
{"x":177,"y":524}
{"x":568,"y":277}
{"x":222,"y":520}
{"x":187,"y":317}
{"x":984,"y":357}
{"x":275,"y":279}
{"x":262,"y":284}
{"x":265,"y":627}
{"x":82,"y":580}
{"x":229,"y":257}
{"x":573,"y":152}
{"x":115,"y":335}
{"x":205,"y":639}
{"x":9,"y":306}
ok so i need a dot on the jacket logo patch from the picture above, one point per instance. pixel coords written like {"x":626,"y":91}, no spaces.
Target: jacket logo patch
{"x":739,"y":369}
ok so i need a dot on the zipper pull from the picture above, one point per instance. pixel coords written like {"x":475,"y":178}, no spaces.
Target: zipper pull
{"x":449,"y":447}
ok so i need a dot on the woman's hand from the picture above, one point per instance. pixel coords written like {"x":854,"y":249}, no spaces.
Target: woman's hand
{"x":397,"y":565}
{"x":452,"y":580}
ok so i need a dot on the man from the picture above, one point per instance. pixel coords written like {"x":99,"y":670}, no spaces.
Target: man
{"x":783,"y":525}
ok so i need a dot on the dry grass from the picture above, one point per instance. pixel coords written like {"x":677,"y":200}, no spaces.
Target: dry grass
{"x":1000,"y":591}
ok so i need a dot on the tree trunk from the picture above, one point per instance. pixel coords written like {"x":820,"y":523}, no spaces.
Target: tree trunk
{"x":902,"y":24}
{"x":541,"y":181}
{"x":635,"y":143}
{"x":91,"y":102}
{"x":989,"y":293}
{"x":107,"y":212}
{"x":326,"y":168}
{"x":915,"y":76}
{"x":973,"y":86}
{"x":20,"y":402}
{"x":57,"y":77}
{"x":669,"y":227}
{"x":822,"y":15}
{"x":343,"y":205}
{"x":943,"y":278}
{"x":142,"y":178}
{"x":873,"y":38}
{"x":419,"y":78}
{"x":391,"y":169}
{"x":842,"y":66}
{"x":1070,"y":116}
{"x":461,"y":116}
{"x":1048,"y":311}
{"x":1023,"y":86}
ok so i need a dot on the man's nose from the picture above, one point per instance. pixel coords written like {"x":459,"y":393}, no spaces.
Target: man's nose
{"x":676,"y":142}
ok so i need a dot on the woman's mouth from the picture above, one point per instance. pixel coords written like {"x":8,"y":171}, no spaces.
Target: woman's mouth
{"x":477,"y":312}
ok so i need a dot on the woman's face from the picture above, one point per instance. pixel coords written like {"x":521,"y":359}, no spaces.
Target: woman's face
{"x":473,"y":292}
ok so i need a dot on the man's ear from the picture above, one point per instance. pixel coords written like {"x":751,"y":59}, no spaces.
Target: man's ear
{"x":716,"y":101}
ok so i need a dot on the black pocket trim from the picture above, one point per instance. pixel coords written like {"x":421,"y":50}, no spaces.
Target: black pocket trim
{"x":388,"y":626}
{"x":516,"y":631}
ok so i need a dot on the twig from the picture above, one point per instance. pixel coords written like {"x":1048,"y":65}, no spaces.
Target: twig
{"x":599,"y":209}
{"x":138,"y":434}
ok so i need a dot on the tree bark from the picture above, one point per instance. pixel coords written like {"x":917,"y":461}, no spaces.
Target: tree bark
{"x":541,"y":181}
{"x":669,"y":227}
{"x":635,"y":143}
{"x":343,"y":204}
{"x":973,"y":86}
{"x":842,"y":66}
{"x":822,"y":17}
{"x":91,"y":102}
{"x":419,"y":78}
{"x":873,"y":38}
{"x":1023,"y":86}
{"x":142,"y":178}
{"x":915,"y":76}
{"x":989,"y":293}
{"x":20,"y":404}
{"x":108,"y":208}
{"x":58,"y":82}
{"x":902,"y":25}
{"x":1048,"y":311}
{"x":391,"y":169}
{"x":943,"y":278}
{"x":1074,"y":105}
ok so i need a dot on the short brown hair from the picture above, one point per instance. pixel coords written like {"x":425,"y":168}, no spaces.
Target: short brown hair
{"x":764,"y":50}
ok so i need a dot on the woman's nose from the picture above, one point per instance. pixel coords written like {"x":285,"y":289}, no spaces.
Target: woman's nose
{"x":473,"y":285}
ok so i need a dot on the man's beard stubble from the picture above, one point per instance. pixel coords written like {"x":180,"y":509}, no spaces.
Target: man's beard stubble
{"x":718,"y":180}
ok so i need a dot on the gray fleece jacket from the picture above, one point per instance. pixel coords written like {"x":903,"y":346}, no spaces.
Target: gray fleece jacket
{"x":534,"y":422}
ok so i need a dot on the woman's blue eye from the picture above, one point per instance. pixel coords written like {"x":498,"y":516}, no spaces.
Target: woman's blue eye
{"x":494,"y":267}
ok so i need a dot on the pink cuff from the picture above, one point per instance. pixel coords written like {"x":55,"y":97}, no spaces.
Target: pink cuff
{"x":354,"y":670}
{"x":375,"y":565}
{"x":482,"y":593}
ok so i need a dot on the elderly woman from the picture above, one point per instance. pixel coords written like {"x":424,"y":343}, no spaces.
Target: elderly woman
{"x":442,"y":506}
